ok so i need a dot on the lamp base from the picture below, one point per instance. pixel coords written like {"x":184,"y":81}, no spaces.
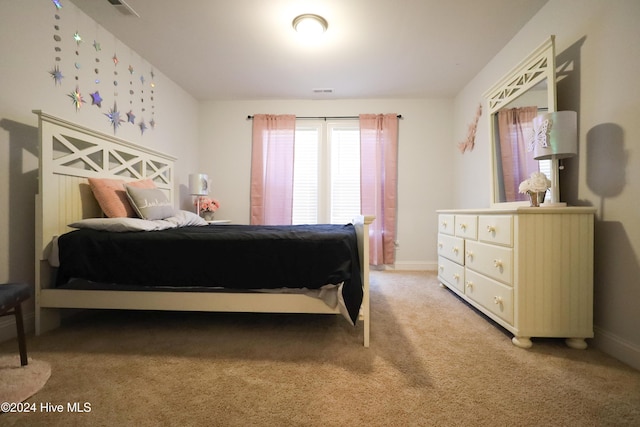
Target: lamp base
{"x":553,"y":205}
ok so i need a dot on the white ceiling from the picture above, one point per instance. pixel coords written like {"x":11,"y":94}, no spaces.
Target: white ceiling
{"x":247,"y":49}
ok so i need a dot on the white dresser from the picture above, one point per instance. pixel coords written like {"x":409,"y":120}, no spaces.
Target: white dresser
{"x":528,"y":269}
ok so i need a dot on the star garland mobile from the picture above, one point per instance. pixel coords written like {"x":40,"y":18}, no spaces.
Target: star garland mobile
{"x":136,"y":114}
{"x":142,"y":124}
{"x":131,"y":117}
{"x":76,"y":95}
{"x":96,"y":99}
{"x":153,"y":106}
{"x":114,"y":115}
{"x":55,"y":72}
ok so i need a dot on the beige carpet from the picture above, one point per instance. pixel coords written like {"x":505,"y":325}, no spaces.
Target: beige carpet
{"x":433,"y":361}
{"x":18,"y":383}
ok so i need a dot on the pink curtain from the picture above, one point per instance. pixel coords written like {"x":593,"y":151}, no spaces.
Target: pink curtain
{"x":515,"y":125}
{"x":272,"y":169}
{"x":379,"y":177}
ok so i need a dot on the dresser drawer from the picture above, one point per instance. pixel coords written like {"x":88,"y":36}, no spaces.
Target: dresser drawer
{"x":446,"y":224}
{"x":467,"y":226}
{"x":451,"y":247}
{"x":450,"y":273}
{"x":490,"y":260}
{"x":492,"y":295}
{"x":496,"y":229}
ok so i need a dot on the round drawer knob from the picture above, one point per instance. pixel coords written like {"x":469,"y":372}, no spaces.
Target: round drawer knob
{"x":497,"y":300}
{"x":469,"y":284}
{"x":497,"y":263}
{"x":491,"y":229}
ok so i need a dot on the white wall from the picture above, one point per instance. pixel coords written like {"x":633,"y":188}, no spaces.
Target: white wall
{"x":26,"y":57}
{"x":424,"y":179}
{"x":598,"y":60}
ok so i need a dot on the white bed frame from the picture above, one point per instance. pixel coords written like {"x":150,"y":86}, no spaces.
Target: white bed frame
{"x":69,"y":154}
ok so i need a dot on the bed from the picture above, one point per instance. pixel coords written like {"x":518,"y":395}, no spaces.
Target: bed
{"x":72,"y":155}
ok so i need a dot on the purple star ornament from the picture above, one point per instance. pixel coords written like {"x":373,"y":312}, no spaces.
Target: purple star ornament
{"x":96,"y":99}
{"x":114,"y":117}
{"x":57,"y":75}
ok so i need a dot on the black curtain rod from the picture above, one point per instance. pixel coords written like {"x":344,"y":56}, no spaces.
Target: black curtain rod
{"x":327,"y":118}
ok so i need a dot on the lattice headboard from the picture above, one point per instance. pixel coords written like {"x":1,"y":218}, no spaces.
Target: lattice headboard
{"x":69,"y":154}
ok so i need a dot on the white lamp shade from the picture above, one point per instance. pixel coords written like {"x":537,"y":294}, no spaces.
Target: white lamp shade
{"x":556,"y":135}
{"x":198,"y":184}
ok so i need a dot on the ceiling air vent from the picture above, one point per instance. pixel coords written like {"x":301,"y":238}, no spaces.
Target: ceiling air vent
{"x":322,"y":90}
{"x":124,"y":8}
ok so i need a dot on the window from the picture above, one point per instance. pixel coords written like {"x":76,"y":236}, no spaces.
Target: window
{"x":326,"y":172}
{"x":545,"y":167}
{"x":305,"y":175}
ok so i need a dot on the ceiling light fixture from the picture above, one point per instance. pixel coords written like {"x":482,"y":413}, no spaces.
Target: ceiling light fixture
{"x":309,"y":23}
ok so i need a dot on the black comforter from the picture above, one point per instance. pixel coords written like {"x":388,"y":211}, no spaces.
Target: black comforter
{"x":226,"y":256}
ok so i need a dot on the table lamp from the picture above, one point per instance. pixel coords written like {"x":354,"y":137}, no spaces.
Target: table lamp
{"x":198,"y":186}
{"x":556,"y":137}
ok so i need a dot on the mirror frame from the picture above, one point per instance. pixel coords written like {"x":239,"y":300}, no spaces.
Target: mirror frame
{"x":539,"y":65}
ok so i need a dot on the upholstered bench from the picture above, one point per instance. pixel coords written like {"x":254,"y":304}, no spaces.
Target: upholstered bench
{"x":11,"y":297}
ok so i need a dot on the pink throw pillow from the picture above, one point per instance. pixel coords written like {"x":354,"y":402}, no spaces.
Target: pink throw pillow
{"x":112,"y":197}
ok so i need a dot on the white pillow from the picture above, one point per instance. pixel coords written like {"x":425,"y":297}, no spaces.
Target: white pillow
{"x":185,"y":218}
{"x":179,"y":219}
{"x":120,"y":224}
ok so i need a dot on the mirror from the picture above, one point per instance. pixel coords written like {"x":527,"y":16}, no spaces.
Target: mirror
{"x":530,"y":84}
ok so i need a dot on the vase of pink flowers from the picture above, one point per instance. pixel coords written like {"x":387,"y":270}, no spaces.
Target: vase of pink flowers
{"x":207,"y":207}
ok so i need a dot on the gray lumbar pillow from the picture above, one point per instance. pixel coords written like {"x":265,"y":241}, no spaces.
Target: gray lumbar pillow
{"x":149,"y":203}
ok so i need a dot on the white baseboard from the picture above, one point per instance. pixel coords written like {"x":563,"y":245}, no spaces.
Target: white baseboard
{"x":413,"y":266}
{"x":623,"y":350}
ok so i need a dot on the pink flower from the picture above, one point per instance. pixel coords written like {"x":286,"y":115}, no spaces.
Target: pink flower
{"x":207,"y":204}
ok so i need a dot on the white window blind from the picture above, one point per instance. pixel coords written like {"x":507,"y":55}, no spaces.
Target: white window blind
{"x":326,"y":186}
{"x":345,"y":173}
{"x":545,"y":167}
{"x":305,"y":176}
